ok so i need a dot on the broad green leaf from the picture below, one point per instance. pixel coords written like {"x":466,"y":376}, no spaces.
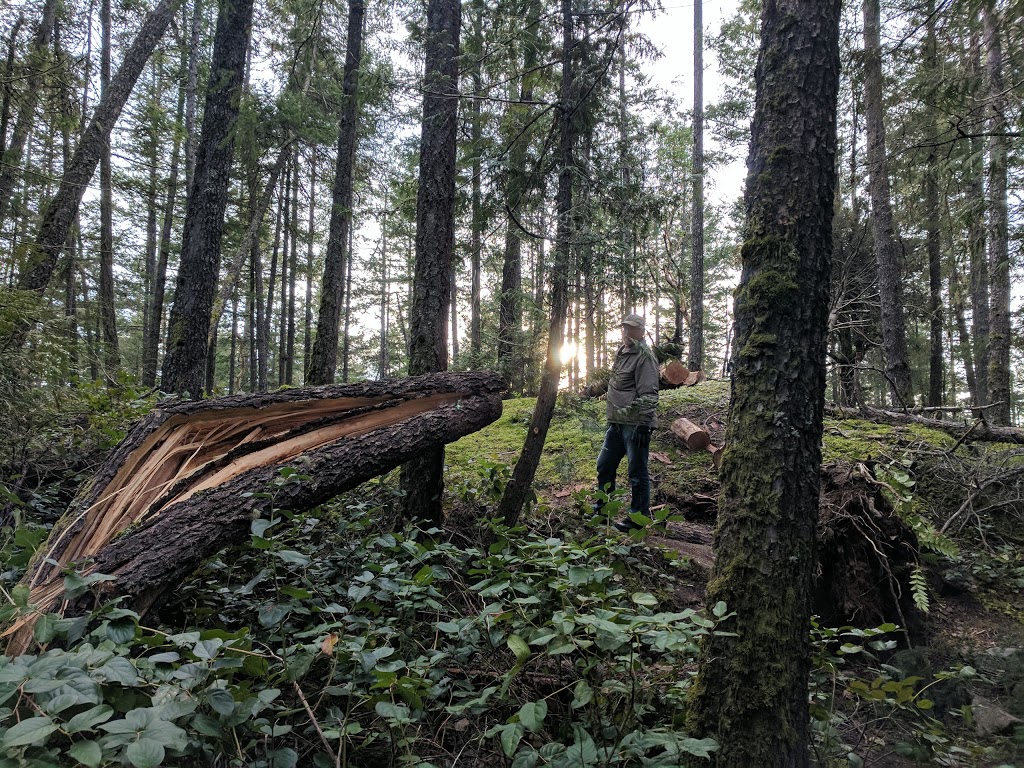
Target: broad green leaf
{"x":518,"y":646}
{"x":720,"y":609}
{"x":645,"y":599}
{"x":583,"y":694}
{"x":222,"y":702}
{"x":532,"y":715}
{"x":85,"y":721}
{"x":145,"y":753}
{"x":511,"y":735}
{"x":30,"y":731}
{"x":88,"y":753}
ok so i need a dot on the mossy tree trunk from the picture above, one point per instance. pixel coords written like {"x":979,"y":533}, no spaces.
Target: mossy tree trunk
{"x":751,"y":691}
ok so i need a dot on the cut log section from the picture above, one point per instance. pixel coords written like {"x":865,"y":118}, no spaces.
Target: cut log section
{"x":673,"y":374}
{"x":693,"y":378}
{"x":189,"y":478}
{"x":696,"y":438}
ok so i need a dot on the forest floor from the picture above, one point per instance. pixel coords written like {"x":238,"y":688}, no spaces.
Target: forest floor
{"x":975,"y":613}
{"x":349,"y":636}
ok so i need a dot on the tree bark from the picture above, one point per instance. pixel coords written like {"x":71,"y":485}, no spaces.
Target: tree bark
{"x":751,"y":689}
{"x":422,"y":478}
{"x":518,"y":487}
{"x":887,"y":251}
{"x":158,"y":507}
{"x":324,"y":361}
{"x":696,"y":357}
{"x":189,"y":323}
{"x":62,"y":208}
{"x":998,"y":254}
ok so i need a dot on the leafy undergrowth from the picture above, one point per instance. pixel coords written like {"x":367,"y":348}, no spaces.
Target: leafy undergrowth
{"x":347,"y":637}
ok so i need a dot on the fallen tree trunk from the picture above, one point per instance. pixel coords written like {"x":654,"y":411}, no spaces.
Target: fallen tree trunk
{"x":695,"y":438}
{"x":977,"y":432}
{"x":188,"y":480}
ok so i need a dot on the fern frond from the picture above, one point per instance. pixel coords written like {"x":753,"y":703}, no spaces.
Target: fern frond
{"x":919,"y":589}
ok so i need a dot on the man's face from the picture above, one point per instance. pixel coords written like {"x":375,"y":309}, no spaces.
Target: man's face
{"x":631,"y":332}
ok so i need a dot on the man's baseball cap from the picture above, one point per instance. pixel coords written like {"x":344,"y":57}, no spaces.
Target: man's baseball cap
{"x":637,"y":321}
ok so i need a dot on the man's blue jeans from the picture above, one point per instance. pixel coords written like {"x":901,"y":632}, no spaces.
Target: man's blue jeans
{"x":633,"y":441}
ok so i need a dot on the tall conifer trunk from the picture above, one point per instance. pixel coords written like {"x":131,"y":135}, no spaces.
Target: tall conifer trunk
{"x":751,"y":689}
{"x":696,"y":356}
{"x":422,"y":478}
{"x":189,"y":323}
{"x":998,"y":249}
{"x":887,"y":251}
{"x":324,"y":355}
{"x":108,"y":316}
{"x":932,"y":224}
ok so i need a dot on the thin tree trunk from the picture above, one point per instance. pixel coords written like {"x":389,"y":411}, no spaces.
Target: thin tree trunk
{"x":38,"y":56}
{"x":5,"y":104}
{"x":454,"y":306}
{"x":932,"y":223}
{"x":152,"y":341}
{"x":385,"y":296}
{"x":517,"y":184}
{"x":518,"y":487}
{"x":345,"y":344}
{"x":282,"y":329}
{"x":60,"y":212}
{"x":108,"y":314}
{"x":422,"y":479}
{"x":887,"y":251}
{"x":476,"y":199}
{"x":751,"y":690}
{"x":293,"y":270}
{"x":268,"y":316}
{"x":323,"y":362}
{"x":696,"y":356}
{"x":979,"y":271}
{"x":189,"y":322}
{"x":191,"y":89}
{"x":998,"y":253}
{"x":957,"y":300}
{"x":307,"y":338}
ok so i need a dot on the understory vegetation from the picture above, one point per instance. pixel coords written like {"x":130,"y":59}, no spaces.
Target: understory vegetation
{"x":349,"y":636}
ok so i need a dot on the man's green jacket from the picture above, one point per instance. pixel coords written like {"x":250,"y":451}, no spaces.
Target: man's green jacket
{"x":633,"y":386}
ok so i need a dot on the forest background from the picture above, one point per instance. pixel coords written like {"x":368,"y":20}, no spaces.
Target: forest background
{"x":635,"y":248}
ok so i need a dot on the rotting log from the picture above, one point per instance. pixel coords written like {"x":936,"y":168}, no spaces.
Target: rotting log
{"x":672,"y":374}
{"x":694,"y":437}
{"x":979,"y":431}
{"x":190,"y":477}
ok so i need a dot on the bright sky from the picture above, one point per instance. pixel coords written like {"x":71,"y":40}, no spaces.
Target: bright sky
{"x":672,"y":32}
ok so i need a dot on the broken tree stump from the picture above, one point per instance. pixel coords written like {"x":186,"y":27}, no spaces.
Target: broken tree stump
{"x":190,"y":477}
{"x":696,"y":438}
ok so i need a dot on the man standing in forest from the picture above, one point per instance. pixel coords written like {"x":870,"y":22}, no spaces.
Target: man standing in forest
{"x":632,"y":414}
